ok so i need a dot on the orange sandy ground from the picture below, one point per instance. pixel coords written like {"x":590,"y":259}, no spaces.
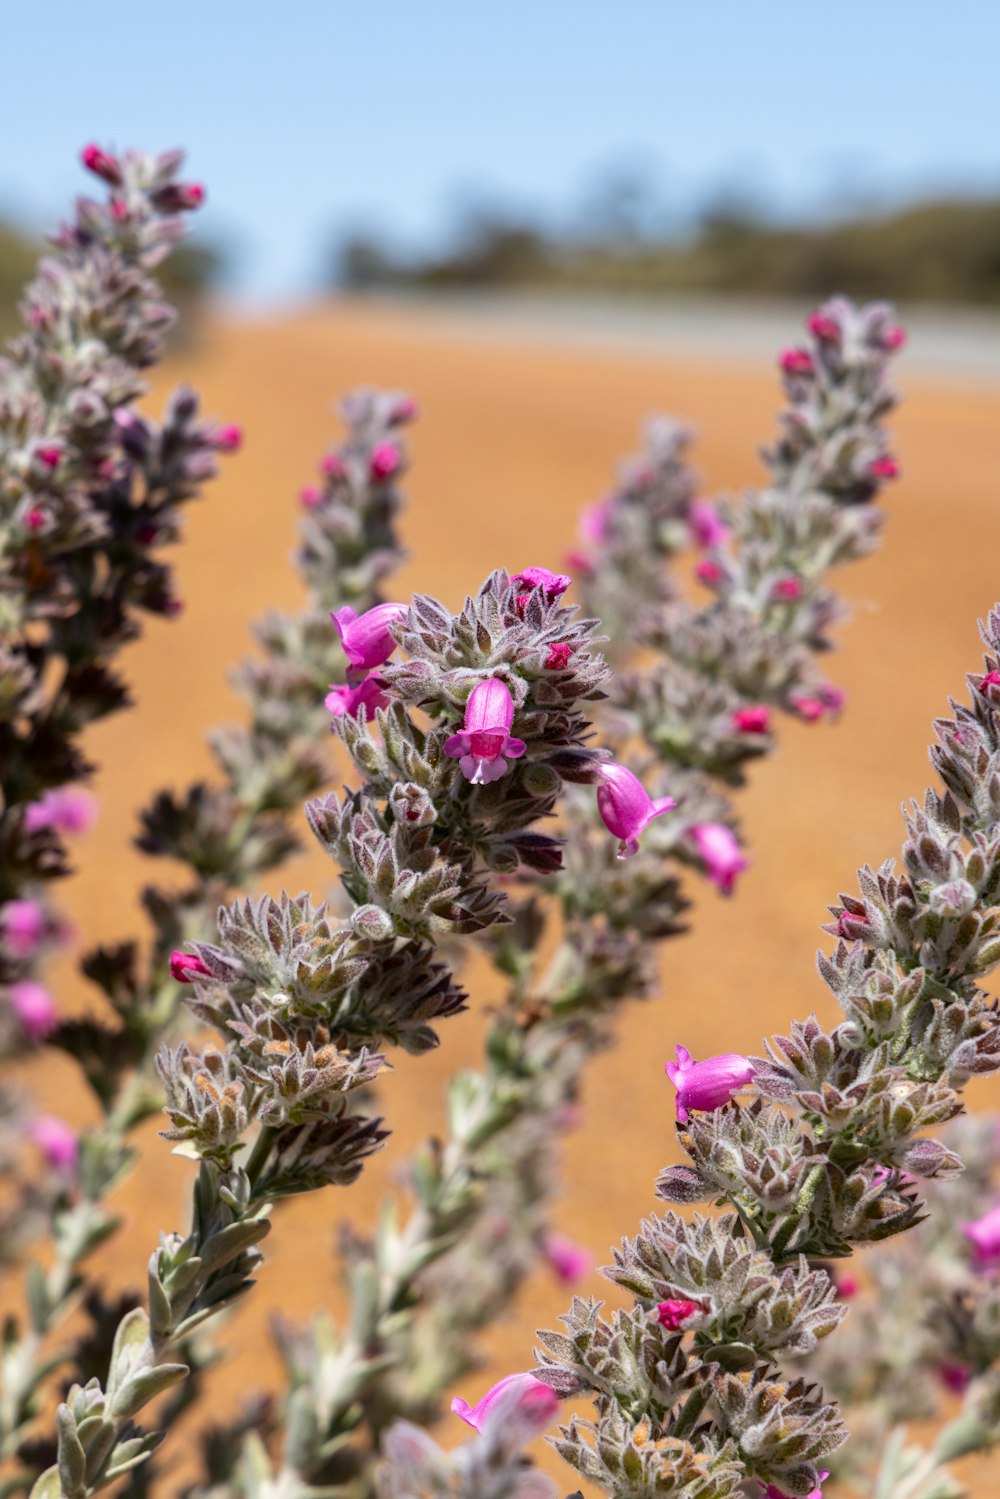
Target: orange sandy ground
{"x":514,"y":440}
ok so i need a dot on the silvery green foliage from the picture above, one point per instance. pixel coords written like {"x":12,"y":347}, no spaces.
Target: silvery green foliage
{"x":491,"y":1466}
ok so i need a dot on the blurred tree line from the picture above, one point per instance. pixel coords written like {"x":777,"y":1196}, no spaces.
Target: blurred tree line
{"x":186,"y":278}
{"x":941,"y":249}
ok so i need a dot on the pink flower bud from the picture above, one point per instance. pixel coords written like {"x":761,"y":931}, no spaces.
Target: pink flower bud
{"x":35,"y":519}
{"x":558,"y":657}
{"x":530,"y":1394}
{"x":823,"y":328}
{"x":34,"y":1007}
{"x":707,"y":1085}
{"x":580,"y":563}
{"x":846,"y":1287}
{"x":58,"y":1142}
{"x":984,"y":1236}
{"x":709,"y":573}
{"x":755,"y":720}
{"x":333,"y":466}
{"x":670,"y":1314}
{"x":884,"y":468}
{"x":808,"y":708}
{"x":23,"y":925}
{"x":365,"y":637}
{"x":228,"y":439}
{"x":51,"y":456}
{"x":593,"y":524}
{"x":173,"y":608}
{"x":370,"y":694}
{"x":385,"y":460}
{"x":102,"y":164}
{"x":719,"y":852}
{"x":817,"y":1493}
{"x":786,"y":589}
{"x":553,"y":584}
{"x":893,"y":337}
{"x":485,"y":738}
{"x":404,"y":410}
{"x":796,"y":362}
{"x":568,"y":1261}
{"x":991,"y":679}
{"x":706,"y":525}
{"x":188,"y":195}
{"x":955,"y":1377}
{"x":310,"y":496}
{"x":848,"y":926}
{"x":66,"y":809}
{"x":626,"y":807}
{"x":119,"y":211}
{"x":185,"y":967}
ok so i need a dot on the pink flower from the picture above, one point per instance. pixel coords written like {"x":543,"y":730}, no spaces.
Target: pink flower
{"x":893,"y":337}
{"x":580,"y":563}
{"x":755,"y":720}
{"x":626,"y":807}
{"x":846,"y":1287}
{"x":558,"y":657}
{"x":787,"y":589}
{"x":707,"y":1085}
{"x":719,"y":852}
{"x":709,"y":573}
{"x":554,"y":584}
{"x":991,"y":679}
{"x":706,"y":524}
{"x":370,"y":694}
{"x":593,"y":525}
{"x":185,"y":967}
{"x":101,"y":164}
{"x":567,"y":1260}
{"x":67,"y":809}
{"x":955,"y":1377}
{"x":50,"y":456}
{"x":365,"y":637}
{"x":847,"y":924}
{"x":228,"y":439}
{"x":384,"y":461}
{"x":404,"y":410}
{"x":34,"y":1007}
{"x":35,"y":518}
{"x":884,"y":468}
{"x":796,"y":362}
{"x":333,"y":466}
{"x":670,"y":1314}
{"x":817,"y":1493}
{"x":535,"y":1399}
{"x":58,"y":1142}
{"x":824,"y":328}
{"x":984,"y":1236}
{"x":485,"y":739}
{"x":310,"y":496}
{"x":23,"y":926}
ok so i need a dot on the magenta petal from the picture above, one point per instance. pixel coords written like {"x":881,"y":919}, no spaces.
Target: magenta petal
{"x":514,"y":748}
{"x":490,"y":708}
{"x":684,"y":1057}
{"x":457,"y":745}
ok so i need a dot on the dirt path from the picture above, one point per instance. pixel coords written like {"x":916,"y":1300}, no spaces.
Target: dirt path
{"x":516,"y":436}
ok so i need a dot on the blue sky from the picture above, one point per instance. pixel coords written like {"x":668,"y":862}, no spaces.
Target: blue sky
{"x":306,"y":117}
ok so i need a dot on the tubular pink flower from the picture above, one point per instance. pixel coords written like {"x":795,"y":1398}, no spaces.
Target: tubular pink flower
{"x":554,"y":584}
{"x":185,"y":967}
{"x":707,"y":1085}
{"x":558,"y":657}
{"x":228,"y":439}
{"x":709,"y":573}
{"x":796,"y":362}
{"x":535,"y":1399}
{"x":57,"y":1141}
{"x":984,"y":1236}
{"x":34,"y":1007}
{"x":671,"y":1314}
{"x":884,"y":468}
{"x":787,"y":589}
{"x":754,"y":720}
{"x":370,"y":694}
{"x":824,"y":328}
{"x":991,"y":679}
{"x":23,"y":925}
{"x":365,"y":637}
{"x":310,"y":496}
{"x":817,"y":1493}
{"x":485,"y":739}
{"x":626,"y":807}
{"x":719,"y":852}
{"x":102,"y":164}
{"x":385,"y":460}
{"x":67,"y":809}
{"x":706,"y":525}
{"x":894,"y":337}
{"x":568,"y":1261}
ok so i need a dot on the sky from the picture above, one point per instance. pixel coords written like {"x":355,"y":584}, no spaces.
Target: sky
{"x":308,"y":118}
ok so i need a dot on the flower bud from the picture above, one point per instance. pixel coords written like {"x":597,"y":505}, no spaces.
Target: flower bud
{"x":707,"y":1085}
{"x":34,"y":1007}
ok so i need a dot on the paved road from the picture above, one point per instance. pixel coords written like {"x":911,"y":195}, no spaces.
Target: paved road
{"x":960,"y":344}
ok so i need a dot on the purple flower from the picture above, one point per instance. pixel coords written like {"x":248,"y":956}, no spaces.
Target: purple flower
{"x":370,"y":694}
{"x":23,"y":925}
{"x":481,"y":745}
{"x":67,"y":809}
{"x":706,"y":525}
{"x":569,"y":1262}
{"x":984,"y":1236}
{"x":34,"y":1007}
{"x":365,"y":637}
{"x":58,"y":1142}
{"x":626,"y":807}
{"x":540,"y":577}
{"x":719,"y":852}
{"x":707,"y":1085}
{"x":817,"y":1493}
{"x":535,"y":1400}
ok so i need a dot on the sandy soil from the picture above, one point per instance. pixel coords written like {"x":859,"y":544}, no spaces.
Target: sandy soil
{"x":516,"y":436}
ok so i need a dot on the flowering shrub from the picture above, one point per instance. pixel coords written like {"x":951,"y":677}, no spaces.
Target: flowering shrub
{"x":532,"y":773}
